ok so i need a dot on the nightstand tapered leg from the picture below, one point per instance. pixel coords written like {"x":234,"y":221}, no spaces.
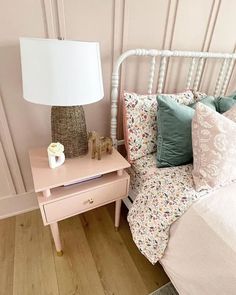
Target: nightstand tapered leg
{"x":117,"y":214}
{"x":56,"y":238}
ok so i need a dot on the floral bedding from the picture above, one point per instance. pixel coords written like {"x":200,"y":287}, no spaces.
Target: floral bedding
{"x":141,"y":169}
{"x":164,"y":195}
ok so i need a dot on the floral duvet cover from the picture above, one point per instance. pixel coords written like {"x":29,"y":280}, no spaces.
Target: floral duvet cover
{"x":164,"y":195}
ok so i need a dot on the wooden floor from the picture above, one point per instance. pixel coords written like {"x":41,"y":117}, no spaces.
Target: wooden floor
{"x":96,"y":261}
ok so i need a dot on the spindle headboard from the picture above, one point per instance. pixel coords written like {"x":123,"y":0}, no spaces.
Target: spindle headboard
{"x":197,"y":61}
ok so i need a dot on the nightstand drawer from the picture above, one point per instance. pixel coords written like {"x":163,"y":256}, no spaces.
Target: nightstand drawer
{"x":85,"y":201}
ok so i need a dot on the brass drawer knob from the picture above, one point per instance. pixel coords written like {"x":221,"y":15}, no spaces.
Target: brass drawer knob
{"x":90,"y":201}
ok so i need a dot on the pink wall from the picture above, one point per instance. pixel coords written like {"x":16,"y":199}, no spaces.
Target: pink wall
{"x":118,"y":25}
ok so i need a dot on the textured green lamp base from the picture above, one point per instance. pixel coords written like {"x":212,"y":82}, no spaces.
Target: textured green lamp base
{"x":69,"y":128}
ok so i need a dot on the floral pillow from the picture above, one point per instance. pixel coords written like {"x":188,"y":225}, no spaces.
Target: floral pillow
{"x":214,"y":152}
{"x":140,"y":121}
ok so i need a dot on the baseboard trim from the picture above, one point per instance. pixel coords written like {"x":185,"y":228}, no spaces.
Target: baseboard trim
{"x":18,"y":204}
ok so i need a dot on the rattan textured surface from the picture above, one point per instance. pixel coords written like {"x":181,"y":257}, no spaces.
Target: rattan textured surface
{"x":69,"y":128}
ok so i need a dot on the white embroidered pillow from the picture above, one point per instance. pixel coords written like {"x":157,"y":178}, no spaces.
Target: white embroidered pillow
{"x":139,"y":121}
{"x":214,"y":152}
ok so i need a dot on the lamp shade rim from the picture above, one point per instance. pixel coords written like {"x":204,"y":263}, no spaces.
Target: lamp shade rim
{"x":56,"y":40}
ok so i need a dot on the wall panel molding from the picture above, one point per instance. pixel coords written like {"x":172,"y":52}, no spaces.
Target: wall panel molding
{"x":61,"y":18}
{"x":211,"y":25}
{"x":210,"y":31}
{"x":49,"y":10}
{"x":9,"y":151}
{"x":125,"y":33}
{"x":118,"y":27}
{"x":169,"y":32}
{"x":170,"y":24}
{"x":5,"y":172}
{"x":120,"y":8}
{"x":18,"y":204}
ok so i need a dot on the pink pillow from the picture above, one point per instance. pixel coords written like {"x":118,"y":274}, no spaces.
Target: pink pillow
{"x":214,"y":147}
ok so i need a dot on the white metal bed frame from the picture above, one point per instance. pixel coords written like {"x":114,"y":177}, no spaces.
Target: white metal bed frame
{"x":197,"y":61}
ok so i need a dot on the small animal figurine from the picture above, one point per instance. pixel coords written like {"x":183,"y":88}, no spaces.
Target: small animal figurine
{"x":100,"y":144}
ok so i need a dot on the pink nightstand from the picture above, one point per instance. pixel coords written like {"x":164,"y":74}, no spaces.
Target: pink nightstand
{"x":58,"y":202}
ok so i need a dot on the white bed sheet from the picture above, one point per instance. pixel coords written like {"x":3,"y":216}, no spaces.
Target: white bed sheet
{"x":200,"y":258}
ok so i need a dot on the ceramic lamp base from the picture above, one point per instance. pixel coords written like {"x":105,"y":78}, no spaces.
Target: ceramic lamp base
{"x":69,"y":128}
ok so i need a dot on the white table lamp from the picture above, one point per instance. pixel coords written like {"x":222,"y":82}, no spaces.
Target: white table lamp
{"x":66,"y":75}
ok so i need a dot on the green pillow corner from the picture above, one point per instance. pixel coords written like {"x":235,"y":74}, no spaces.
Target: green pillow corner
{"x":224,"y":103}
{"x":174,"y":123}
{"x":209,"y":101}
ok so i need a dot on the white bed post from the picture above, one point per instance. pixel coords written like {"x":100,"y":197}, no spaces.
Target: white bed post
{"x":151,"y":74}
{"x":162,"y":71}
{"x":190,"y":73}
{"x":198,"y":74}
{"x":220,"y":77}
{"x":114,"y":107}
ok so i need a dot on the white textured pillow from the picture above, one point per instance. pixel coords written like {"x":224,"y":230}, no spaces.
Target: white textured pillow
{"x":214,"y":147}
{"x":140,"y":121}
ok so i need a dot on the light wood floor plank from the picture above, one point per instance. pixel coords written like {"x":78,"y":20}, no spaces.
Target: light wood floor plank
{"x":118,"y":272}
{"x":76,"y":269}
{"x":153,"y":275}
{"x":97,"y":260}
{"x":34,"y":272}
{"x":7,"y":246}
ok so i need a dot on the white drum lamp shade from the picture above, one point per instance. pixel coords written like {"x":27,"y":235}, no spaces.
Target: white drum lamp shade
{"x":66,"y":75}
{"x":61,"y":72}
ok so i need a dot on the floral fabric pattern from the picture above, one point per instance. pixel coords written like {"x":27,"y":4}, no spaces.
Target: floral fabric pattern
{"x":164,"y":195}
{"x":199,"y":95}
{"x":141,"y":169}
{"x":140,"y":130}
{"x":140,"y":122}
{"x":214,"y":141}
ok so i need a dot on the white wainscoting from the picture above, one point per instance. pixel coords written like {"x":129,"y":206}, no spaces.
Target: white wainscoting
{"x":18,"y":204}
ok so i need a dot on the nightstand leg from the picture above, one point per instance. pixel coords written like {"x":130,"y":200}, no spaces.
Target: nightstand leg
{"x":117,"y":214}
{"x":47,"y":193}
{"x":56,"y":238}
{"x":120,"y":172}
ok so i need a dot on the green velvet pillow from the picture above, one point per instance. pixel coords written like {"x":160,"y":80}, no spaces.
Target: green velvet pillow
{"x":209,"y":101}
{"x":174,"y":137}
{"x":224,"y":103}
